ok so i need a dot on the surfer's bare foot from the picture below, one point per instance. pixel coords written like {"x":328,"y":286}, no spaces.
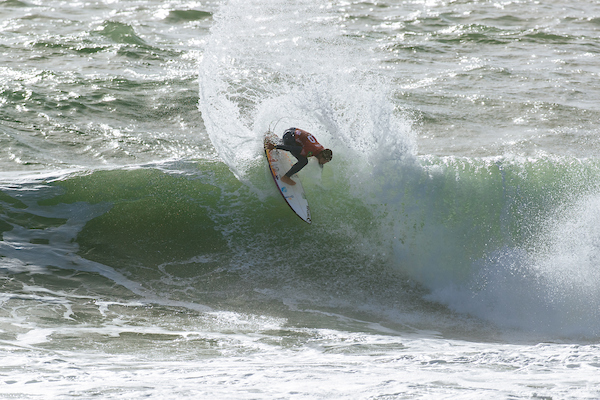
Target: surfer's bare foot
{"x":288,"y":180}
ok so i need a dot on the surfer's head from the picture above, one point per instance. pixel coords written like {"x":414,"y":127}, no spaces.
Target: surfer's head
{"x":325,"y":156}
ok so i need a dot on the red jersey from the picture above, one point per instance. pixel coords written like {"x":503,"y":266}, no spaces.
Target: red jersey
{"x":310,"y":146}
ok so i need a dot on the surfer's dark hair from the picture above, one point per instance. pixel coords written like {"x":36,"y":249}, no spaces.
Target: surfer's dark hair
{"x":326,"y":154}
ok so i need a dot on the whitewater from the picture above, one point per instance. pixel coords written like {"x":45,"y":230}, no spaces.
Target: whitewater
{"x":455,"y":244}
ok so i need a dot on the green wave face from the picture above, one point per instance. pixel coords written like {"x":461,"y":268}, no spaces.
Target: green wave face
{"x":390,"y":235}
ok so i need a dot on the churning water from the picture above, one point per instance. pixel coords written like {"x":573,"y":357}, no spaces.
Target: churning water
{"x":455,"y":244}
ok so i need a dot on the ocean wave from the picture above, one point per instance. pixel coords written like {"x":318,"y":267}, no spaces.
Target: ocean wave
{"x":473,"y":235}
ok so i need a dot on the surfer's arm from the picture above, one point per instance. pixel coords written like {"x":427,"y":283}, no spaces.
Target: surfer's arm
{"x":292,"y":149}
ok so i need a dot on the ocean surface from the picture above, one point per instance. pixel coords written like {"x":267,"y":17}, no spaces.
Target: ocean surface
{"x":455,"y":246}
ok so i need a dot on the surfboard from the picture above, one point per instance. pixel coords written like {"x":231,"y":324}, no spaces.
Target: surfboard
{"x":279,"y":163}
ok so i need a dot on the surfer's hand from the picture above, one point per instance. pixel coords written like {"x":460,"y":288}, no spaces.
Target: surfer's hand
{"x":269,"y":146}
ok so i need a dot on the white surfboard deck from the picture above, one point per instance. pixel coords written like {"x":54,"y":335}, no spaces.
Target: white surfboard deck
{"x":280,"y":162}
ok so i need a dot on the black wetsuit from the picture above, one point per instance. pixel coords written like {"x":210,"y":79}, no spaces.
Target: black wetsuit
{"x":290,"y":144}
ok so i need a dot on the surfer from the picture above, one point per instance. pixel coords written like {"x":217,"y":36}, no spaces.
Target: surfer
{"x":302,"y":145}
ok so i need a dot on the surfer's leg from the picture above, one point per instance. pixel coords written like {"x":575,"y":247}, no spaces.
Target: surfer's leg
{"x":302,"y":161}
{"x":290,"y":141}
